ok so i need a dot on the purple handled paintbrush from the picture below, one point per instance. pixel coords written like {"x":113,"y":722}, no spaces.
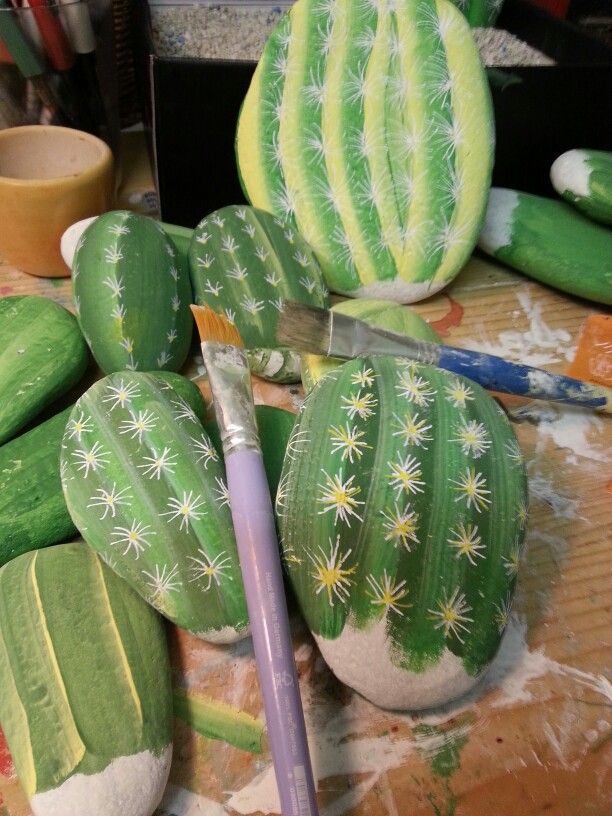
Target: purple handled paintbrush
{"x":253,"y":518}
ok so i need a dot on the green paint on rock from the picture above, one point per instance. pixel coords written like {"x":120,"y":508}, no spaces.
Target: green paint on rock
{"x":83,"y":667}
{"x":216,"y":720}
{"x":584,"y":179}
{"x":42,"y":355}
{"x":480,"y":13}
{"x":244,"y":264}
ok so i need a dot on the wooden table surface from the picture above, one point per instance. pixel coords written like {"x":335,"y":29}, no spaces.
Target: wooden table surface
{"x":534,"y":738}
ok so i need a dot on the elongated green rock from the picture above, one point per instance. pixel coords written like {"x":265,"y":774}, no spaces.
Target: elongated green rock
{"x":85,"y":678}
{"x":381,"y":313}
{"x":42,"y":355}
{"x":549,"y":241}
{"x":146,"y":488}
{"x":368,"y":126}
{"x":131,"y":295}
{"x":244,"y":264}
{"x":584,"y":178}
{"x":402,"y":509}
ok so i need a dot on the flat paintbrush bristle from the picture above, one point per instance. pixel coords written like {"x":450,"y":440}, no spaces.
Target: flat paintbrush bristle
{"x":305,"y":328}
{"x":215,"y":327}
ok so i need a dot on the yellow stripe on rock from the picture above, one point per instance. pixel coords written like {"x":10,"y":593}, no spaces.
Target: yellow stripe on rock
{"x":473,"y":154}
{"x":249,"y":146}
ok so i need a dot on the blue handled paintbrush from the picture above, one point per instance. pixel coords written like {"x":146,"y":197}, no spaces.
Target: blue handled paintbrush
{"x":321,"y":331}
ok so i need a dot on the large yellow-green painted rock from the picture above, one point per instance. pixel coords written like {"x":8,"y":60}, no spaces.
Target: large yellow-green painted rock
{"x":85,"y":700}
{"x":368,"y":126}
{"x":402,"y":509}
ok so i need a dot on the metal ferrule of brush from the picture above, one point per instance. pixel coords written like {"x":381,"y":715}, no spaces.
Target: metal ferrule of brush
{"x":230,"y":381}
{"x":353,"y":338}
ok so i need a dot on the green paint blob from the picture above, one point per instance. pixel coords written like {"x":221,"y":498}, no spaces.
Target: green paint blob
{"x":218,"y":721}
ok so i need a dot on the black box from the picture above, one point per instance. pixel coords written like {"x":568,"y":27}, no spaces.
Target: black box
{"x":192,"y":105}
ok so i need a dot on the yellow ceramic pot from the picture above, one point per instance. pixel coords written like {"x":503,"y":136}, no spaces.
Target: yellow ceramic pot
{"x":50,"y":177}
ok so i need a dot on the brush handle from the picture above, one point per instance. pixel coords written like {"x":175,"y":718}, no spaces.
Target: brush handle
{"x":498,"y":374}
{"x":257,"y":542}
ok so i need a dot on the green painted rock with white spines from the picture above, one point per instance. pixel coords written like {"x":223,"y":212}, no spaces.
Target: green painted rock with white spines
{"x":368,"y":126}
{"x":86,"y":700}
{"x":131,"y":294}
{"x":146,"y":488}
{"x":402,"y":507}
{"x":584,"y":178}
{"x":550,"y":241}
{"x":42,"y":355}
{"x":382,"y":313}
{"x":480,"y":13}
{"x":245,"y":264}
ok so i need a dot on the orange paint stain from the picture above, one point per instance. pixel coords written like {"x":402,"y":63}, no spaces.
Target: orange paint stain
{"x":593,"y":360}
{"x":451,"y":319}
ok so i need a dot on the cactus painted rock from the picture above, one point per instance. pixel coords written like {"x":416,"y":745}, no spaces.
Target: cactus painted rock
{"x":369,"y":127}
{"x":131,"y":295}
{"x":480,"y":13}
{"x":402,"y":509}
{"x":243,"y":263}
{"x":584,"y":178}
{"x":85,"y":677}
{"x":146,"y":488}
{"x":42,"y":355}
{"x":549,"y":241}
{"x":381,"y":313}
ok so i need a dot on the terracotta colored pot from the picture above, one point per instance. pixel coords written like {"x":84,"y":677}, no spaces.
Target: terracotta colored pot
{"x":50,"y":177}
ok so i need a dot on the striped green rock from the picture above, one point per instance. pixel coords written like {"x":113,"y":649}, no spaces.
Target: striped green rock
{"x":480,"y":13}
{"x":131,"y":295}
{"x":42,"y":355}
{"x":383,"y":313}
{"x":584,"y":178}
{"x":146,"y":488}
{"x":550,"y":241}
{"x":402,"y":507}
{"x":85,"y":678}
{"x":368,"y":126}
{"x":244,"y":264}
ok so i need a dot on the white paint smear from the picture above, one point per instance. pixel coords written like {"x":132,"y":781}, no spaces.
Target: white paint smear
{"x":178,"y":801}
{"x":577,"y":430}
{"x":543,"y":489}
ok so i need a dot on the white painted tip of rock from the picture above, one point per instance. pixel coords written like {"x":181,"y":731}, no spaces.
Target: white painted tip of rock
{"x":571,"y":172}
{"x":128,"y":786}
{"x":398,"y":290}
{"x":497,"y":230}
{"x":70,"y":239}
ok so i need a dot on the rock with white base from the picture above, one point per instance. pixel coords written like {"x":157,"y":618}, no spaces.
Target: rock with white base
{"x":584,"y":178}
{"x":86,"y":699}
{"x":550,"y":241}
{"x":402,"y":509}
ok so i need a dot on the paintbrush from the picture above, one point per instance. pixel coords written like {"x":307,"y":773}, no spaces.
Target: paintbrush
{"x":322,"y":331}
{"x":253,"y":519}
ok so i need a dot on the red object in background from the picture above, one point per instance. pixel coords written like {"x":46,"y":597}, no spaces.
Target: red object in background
{"x":558,"y":8}
{"x":4,"y":54}
{"x":6,"y":763}
{"x":56,"y":43}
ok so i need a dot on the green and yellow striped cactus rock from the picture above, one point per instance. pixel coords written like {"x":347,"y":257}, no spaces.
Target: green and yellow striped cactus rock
{"x":42,"y":355}
{"x":383,"y":313}
{"x":244,"y":264}
{"x":368,"y":126}
{"x":131,"y":295}
{"x":146,"y":488}
{"x":584,"y":178}
{"x":86,"y":700}
{"x":402,"y":508}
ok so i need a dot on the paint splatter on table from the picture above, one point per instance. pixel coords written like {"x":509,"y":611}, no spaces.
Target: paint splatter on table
{"x":534,"y":738}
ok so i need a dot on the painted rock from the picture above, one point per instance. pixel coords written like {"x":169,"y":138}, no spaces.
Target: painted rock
{"x":131,"y":295}
{"x":42,"y":355}
{"x":549,"y":241}
{"x":383,"y":313}
{"x":480,"y":13}
{"x":402,"y":507}
{"x":146,"y":488}
{"x":368,"y":126}
{"x":85,"y":677}
{"x":584,"y":178}
{"x":243,"y":263}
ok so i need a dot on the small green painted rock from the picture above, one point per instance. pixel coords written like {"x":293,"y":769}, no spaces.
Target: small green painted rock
{"x":146,"y":488}
{"x":42,"y":355}
{"x":131,"y":295}
{"x":383,"y":313}
{"x":33,"y":513}
{"x":243,"y":263}
{"x":402,"y":507}
{"x":480,"y":13}
{"x":549,"y":241}
{"x":368,"y":127}
{"x":85,"y":678}
{"x":584,"y":178}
